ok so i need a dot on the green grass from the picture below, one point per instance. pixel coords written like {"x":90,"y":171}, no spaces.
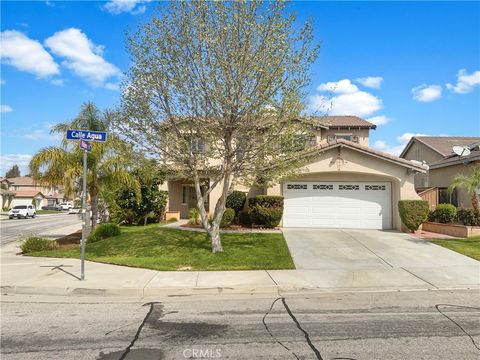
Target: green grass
{"x":42,"y":212}
{"x":159,"y":248}
{"x":469,"y":247}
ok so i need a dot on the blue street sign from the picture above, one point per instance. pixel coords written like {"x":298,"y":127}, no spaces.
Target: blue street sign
{"x":87,"y":135}
{"x":85,"y":145}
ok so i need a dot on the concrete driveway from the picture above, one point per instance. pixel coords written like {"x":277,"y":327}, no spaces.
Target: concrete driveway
{"x":374,"y":258}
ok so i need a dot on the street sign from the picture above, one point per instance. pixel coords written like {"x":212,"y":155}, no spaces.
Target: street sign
{"x":87,"y":135}
{"x":85,"y":145}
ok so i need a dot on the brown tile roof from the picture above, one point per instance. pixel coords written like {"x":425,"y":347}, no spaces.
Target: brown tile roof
{"x":454,"y":159}
{"x":27,"y":193}
{"x":344,"y":121}
{"x":367,"y":150}
{"x":444,"y":144}
{"x":22,"y":180}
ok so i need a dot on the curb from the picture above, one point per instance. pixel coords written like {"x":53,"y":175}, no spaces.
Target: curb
{"x":188,"y":291}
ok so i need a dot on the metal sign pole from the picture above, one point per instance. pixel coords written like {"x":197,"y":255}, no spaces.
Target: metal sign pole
{"x":85,"y":215}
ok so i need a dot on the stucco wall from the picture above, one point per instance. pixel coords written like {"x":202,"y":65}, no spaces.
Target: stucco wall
{"x":420,"y":152}
{"x":442,"y":177}
{"x":363,"y":135}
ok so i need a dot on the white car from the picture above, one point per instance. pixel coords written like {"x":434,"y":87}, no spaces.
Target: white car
{"x":65,"y":206}
{"x":22,"y":211}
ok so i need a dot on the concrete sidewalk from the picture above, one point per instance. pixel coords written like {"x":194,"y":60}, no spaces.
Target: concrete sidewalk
{"x":50,"y":276}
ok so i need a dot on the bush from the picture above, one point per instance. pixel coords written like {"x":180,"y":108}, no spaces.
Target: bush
{"x":467,"y":217}
{"x":193,"y":216}
{"x":266,"y":201}
{"x":103,"y":231}
{"x":35,"y":243}
{"x":244,"y":218}
{"x":413,"y":213}
{"x":268,"y":217}
{"x":443,"y":213}
{"x":227,"y":217}
{"x":236,"y":201}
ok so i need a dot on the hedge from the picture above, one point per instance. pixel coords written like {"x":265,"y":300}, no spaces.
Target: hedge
{"x":268,"y":217}
{"x":443,"y":213}
{"x":413,"y":213}
{"x":103,"y":231}
{"x":236,"y":201}
{"x":267,"y":201}
{"x":227,"y":217}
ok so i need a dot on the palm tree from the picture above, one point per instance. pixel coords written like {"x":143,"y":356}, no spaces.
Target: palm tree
{"x":107,"y":164}
{"x":471,"y":183}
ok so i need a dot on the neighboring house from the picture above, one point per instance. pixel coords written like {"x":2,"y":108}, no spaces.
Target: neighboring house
{"x":26,"y":192}
{"x":6,"y":195}
{"x":345,"y":185}
{"x":444,"y":165}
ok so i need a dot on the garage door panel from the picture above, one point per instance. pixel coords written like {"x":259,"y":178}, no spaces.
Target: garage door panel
{"x":338,"y":205}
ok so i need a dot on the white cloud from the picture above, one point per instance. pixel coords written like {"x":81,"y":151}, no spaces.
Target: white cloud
{"x":8,"y":160}
{"x":82,"y":56}
{"x":379,"y":120}
{"x":112,"y":86}
{"x":344,"y":86}
{"x":465,"y":82}
{"x":405,"y":137}
{"x":358,"y":103}
{"x":57,"y":82}
{"x":26,"y":54}
{"x":133,"y":7}
{"x":427,"y":93}
{"x":371,"y":81}
{"x":5,"y":108}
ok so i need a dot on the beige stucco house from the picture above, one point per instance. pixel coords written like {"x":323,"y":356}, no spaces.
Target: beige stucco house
{"x":346,"y":184}
{"x":25,"y":191}
{"x":444,"y":165}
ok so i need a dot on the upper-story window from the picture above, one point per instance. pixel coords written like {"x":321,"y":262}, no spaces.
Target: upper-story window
{"x":198,"y":146}
{"x":303,"y":141}
{"x":349,"y":137}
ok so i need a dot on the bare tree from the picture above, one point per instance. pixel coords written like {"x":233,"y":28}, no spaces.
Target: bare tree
{"x":213,"y":92}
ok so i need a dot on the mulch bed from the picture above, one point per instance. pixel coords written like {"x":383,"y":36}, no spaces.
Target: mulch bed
{"x":234,"y":227}
{"x":71,"y":239}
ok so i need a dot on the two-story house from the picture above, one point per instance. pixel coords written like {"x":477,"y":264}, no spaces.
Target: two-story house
{"x":444,"y":165}
{"x":346,"y":184}
{"x":27,"y":191}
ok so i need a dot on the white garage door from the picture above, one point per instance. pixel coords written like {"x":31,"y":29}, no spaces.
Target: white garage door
{"x":354,"y":205}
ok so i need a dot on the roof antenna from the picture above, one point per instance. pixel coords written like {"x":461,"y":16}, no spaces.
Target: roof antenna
{"x":461,"y":150}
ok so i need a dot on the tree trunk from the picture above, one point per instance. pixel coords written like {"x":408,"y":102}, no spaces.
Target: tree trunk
{"x":475,"y":205}
{"x":214,"y":233}
{"x":145,"y":220}
{"x":94,"y":205}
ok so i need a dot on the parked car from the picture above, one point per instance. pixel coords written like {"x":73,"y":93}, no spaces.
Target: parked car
{"x":22,"y":211}
{"x":65,"y":206}
{"x":75,"y":210}
{"x":51,"y":207}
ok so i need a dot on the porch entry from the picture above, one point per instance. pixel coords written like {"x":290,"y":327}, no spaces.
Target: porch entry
{"x":189,"y":199}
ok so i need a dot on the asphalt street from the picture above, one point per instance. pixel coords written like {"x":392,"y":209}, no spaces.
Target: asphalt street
{"x":388,"y":325}
{"x":15,"y":229}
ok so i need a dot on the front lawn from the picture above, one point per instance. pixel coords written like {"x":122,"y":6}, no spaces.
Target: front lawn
{"x":469,"y":247}
{"x":42,"y":212}
{"x":159,"y":248}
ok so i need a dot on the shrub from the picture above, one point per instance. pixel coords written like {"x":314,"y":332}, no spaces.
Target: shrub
{"x":103,"y":231}
{"x":268,"y":217}
{"x":227,"y":217}
{"x":35,"y":243}
{"x":413,"y":213}
{"x":236,"y":201}
{"x":193,"y":216}
{"x":443,"y":213}
{"x":244,"y":218}
{"x":467,"y":217}
{"x":267,"y":201}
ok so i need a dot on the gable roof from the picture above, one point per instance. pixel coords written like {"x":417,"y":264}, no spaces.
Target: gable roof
{"x":22,"y":180}
{"x":454,"y":159}
{"x":343,"y":121}
{"x":366,"y":150}
{"x":28,"y":193}
{"x":442,"y":145}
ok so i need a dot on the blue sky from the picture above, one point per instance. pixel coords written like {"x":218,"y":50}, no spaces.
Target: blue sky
{"x":413,"y":68}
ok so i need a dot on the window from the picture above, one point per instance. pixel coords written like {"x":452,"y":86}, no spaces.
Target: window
{"x":348,"y":187}
{"x":375,"y":187}
{"x":322,"y":187}
{"x":344,"y":136}
{"x":447,"y":197}
{"x":303,"y":141}
{"x":198,"y":146}
{"x":348,"y":137}
{"x":297,"y":186}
